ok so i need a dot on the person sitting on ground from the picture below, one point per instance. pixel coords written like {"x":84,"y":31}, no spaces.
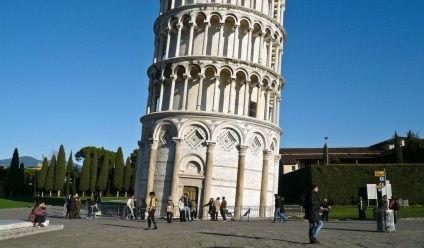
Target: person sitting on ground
{"x":37,"y":215}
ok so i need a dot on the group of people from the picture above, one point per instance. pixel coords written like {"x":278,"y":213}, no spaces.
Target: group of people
{"x":73,"y":207}
{"x":134,"y":211}
{"x":215,"y":207}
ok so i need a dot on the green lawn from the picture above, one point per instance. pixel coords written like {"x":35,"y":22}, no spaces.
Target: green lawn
{"x":351,"y":212}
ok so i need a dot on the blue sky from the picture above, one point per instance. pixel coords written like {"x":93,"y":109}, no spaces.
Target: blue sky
{"x":74,"y":73}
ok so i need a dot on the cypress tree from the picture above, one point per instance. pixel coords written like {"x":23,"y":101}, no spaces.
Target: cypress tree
{"x":85,"y":177}
{"x":325,"y":157}
{"x":103,"y":176}
{"x":127,"y":176}
{"x":397,"y":152}
{"x":21,"y":179}
{"x":119,"y":171}
{"x":60,"y":171}
{"x":69,"y":168}
{"x":93,"y":173}
{"x":42,"y":174}
{"x":50,"y":175}
{"x":12,"y":173}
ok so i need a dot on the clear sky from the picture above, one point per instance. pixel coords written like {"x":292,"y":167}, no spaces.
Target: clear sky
{"x":74,"y":73}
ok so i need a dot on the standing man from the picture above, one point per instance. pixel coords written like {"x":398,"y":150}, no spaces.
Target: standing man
{"x":151,"y":212}
{"x":130,"y":206}
{"x":224,"y":209}
{"x":361,"y":208}
{"x":312,"y":214}
{"x":187,"y":207}
{"x":325,"y":209}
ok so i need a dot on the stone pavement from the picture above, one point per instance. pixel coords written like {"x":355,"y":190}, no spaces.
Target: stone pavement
{"x":113,"y":232}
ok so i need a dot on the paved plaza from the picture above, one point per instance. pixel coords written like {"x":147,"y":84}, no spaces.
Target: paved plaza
{"x":113,"y":232}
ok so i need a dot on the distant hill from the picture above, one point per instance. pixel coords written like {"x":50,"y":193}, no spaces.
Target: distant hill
{"x":27,"y":160}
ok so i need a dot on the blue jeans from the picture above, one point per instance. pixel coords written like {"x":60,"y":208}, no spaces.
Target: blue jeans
{"x":187,"y":212}
{"x":314,"y":227}
{"x":278,"y":213}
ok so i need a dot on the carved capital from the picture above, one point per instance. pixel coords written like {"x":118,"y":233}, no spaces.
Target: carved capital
{"x":242,"y":149}
{"x":178,"y":142}
{"x":211,"y":145}
{"x":277,"y":159}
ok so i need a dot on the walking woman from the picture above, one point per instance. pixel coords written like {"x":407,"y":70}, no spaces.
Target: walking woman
{"x":151,"y":212}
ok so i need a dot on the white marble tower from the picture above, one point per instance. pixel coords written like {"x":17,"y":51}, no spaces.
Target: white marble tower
{"x":211,"y":126}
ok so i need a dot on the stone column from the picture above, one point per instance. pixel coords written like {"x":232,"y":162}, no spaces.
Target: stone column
{"x":186,"y":78}
{"x":264,"y":183}
{"x":155,"y":55}
{"x":153,"y":100}
{"x":278,"y":11}
{"x":152,"y":167}
{"x":172,"y":4}
{"x":137,"y":187}
{"x":270,"y":53}
{"x":221,"y":39}
{"x":171,"y":94}
{"x":199,"y":203}
{"x":235,"y":45}
{"x":232,"y":93}
{"x":261,"y":47}
{"x":160,"y":50}
{"x":276,"y":172}
{"x":249,"y":44}
{"x":215,"y":95}
{"x":199,"y":92}
{"x":205,"y":39}
{"x":240,"y":182}
{"x":190,"y":41}
{"x":177,"y":49}
{"x":246,"y":98}
{"x":168,"y":41}
{"x":149,"y":98}
{"x":258,"y":103}
{"x":208,"y":171}
{"x":267,"y":104}
{"x":277,"y":121}
{"x":176,"y":170}
{"x":162,"y":82}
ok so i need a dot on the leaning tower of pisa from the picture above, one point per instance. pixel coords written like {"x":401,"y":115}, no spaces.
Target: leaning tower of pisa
{"x":211,"y":127}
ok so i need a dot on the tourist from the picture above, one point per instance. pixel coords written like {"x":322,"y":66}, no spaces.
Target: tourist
{"x":325,"y":209}
{"x":193,"y":209}
{"x":211,"y":209}
{"x":130,"y":207}
{"x":395,"y":206}
{"x":181,"y":207}
{"x":169,"y":210}
{"x":223,"y":209}
{"x":278,"y":207}
{"x":37,"y":215}
{"x":217,"y":205}
{"x":143,"y":207}
{"x":362,"y":206}
{"x":187,"y":207}
{"x":151,"y":212}
{"x":312,"y":214}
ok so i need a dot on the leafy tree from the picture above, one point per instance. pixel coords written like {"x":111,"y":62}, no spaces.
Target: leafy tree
{"x":325,"y":157}
{"x":397,"y":152}
{"x":69,"y":168}
{"x":101,"y":154}
{"x":13,"y":173}
{"x":50,"y":175}
{"x":60,"y":171}
{"x":103,"y":176}
{"x":127,"y":176}
{"x":85,"y":176}
{"x":21,"y":179}
{"x":93,"y":173}
{"x":42,"y":174}
{"x":118,"y":171}
{"x":414,"y":148}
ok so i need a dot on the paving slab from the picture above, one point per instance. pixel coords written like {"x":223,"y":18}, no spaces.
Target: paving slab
{"x":113,"y":232}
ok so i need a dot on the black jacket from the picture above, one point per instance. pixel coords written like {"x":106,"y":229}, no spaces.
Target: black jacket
{"x":312,"y":207}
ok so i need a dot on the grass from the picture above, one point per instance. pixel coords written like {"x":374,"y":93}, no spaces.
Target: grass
{"x":351,"y":212}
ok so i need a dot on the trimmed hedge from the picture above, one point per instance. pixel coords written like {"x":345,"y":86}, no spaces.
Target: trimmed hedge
{"x":343,"y":184}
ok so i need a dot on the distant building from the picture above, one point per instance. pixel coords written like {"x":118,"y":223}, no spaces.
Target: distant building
{"x":295,"y":158}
